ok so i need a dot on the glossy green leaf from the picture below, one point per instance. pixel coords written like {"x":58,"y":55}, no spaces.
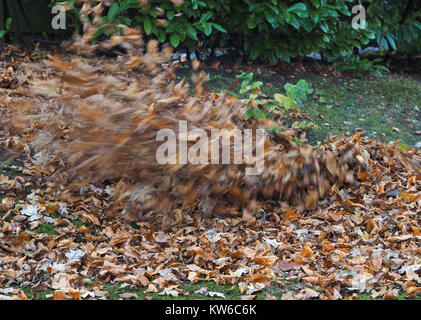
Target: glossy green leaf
{"x":175,"y":39}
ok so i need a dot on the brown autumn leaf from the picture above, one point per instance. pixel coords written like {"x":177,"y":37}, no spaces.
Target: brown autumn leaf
{"x":363,"y":175}
{"x":151,"y":288}
{"x":119,"y":237}
{"x":247,"y":252}
{"x":128,"y":295}
{"x":291,"y":215}
{"x":142,"y":280}
{"x":60,"y":295}
{"x":90,"y":219}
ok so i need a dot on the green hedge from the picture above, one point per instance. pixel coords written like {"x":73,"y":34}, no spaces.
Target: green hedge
{"x":396,"y":24}
{"x":273,"y":30}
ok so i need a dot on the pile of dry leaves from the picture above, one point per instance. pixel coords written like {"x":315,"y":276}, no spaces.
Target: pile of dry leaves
{"x":342,"y":217}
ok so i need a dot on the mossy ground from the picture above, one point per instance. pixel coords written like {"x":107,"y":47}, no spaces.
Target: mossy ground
{"x":384,"y":108}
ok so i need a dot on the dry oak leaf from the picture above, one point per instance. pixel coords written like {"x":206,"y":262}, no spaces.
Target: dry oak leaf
{"x":287,"y":266}
{"x":60,"y":295}
{"x":151,"y":288}
{"x":90,"y":219}
{"x":413,"y":290}
{"x":306,"y":252}
{"x":247,"y":252}
{"x":141,"y":279}
{"x":128,"y":295}
{"x":291,"y":215}
{"x":119,"y":237}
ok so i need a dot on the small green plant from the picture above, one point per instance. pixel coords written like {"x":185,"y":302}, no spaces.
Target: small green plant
{"x":304,"y":125}
{"x":277,"y":129}
{"x":293,"y":100}
{"x":252,"y":102}
{"x":403,"y":147}
{"x":360,"y":67}
{"x":298,"y":141}
{"x":260,"y":108}
{"x":7,"y":26}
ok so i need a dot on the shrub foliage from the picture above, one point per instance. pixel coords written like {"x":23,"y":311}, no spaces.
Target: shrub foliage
{"x":275,"y":30}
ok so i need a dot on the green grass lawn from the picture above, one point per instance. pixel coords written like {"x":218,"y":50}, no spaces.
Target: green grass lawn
{"x":230,"y":292}
{"x":385,"y":108}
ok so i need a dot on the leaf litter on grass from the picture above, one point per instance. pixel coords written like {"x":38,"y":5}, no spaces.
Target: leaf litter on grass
{"x":341,"y":218}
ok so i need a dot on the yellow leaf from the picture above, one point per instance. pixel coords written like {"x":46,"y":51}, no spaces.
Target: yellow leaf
{"x":416,"y":231}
